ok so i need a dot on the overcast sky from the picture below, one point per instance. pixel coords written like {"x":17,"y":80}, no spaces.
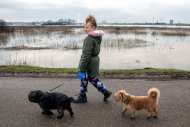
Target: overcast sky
{"x":109,"y":10}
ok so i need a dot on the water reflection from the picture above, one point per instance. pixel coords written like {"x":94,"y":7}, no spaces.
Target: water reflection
{"x":120,"y":42}
{"x":121,"y":48}
{"x":4,"y":39}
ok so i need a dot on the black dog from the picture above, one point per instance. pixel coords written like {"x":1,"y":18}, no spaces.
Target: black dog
{"x":49,"y":101}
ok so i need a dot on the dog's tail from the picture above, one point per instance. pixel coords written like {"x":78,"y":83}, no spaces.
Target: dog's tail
{"x":154,"y":93}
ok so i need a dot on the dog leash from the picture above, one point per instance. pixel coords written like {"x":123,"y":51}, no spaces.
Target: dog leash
{"x":57,"y":86}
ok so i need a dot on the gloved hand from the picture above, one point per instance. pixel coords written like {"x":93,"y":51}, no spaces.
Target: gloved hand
{"x":82,"y":75}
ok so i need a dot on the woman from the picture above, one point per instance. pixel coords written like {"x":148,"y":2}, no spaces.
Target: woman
{"x":89,"y":61}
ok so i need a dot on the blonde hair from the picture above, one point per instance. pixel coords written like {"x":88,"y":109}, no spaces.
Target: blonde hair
{"x":92,"y":20}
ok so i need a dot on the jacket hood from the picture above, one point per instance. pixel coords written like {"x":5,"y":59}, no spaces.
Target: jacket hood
{"x":96,"y":33}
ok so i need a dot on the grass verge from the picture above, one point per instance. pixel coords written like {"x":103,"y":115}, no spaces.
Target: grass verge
{"x":146,"y":73}
{"x":29,"y":69}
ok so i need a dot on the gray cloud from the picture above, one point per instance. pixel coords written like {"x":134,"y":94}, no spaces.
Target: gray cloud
{"x":19,"y":11}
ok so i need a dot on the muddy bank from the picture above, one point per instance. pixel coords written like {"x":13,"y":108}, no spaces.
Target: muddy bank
{"x":111,"y":75}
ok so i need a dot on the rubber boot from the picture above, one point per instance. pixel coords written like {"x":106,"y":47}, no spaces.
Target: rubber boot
{"x":81,"y":98}
{"x":107,"y":94}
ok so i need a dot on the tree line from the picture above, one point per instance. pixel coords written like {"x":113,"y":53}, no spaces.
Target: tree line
{"x":4,"y":28}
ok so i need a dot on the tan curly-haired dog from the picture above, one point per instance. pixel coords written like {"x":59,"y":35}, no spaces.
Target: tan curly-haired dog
{"x":134,"y":103}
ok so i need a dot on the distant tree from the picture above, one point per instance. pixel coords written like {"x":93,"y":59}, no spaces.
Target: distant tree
{"x":4,"y":27}
{"x":2,"y":22}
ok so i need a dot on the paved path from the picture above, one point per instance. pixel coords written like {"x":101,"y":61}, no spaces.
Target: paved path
{"x":17,"y":111}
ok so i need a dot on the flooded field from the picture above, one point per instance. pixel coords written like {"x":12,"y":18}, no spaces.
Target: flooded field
{"x":123,"y":47}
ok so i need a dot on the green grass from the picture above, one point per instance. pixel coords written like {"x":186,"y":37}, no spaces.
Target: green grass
{"x":26,"y":68}
{"x":146,"y":73}
{"x":146,"y":70}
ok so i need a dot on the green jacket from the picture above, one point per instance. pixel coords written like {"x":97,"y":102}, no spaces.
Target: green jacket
{"x":90,"y":61}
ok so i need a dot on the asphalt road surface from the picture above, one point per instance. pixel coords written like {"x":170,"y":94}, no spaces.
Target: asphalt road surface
{"x":17,"y":111}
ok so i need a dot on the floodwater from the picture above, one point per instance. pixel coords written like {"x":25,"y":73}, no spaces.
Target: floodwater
{"x":119,"y":50}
